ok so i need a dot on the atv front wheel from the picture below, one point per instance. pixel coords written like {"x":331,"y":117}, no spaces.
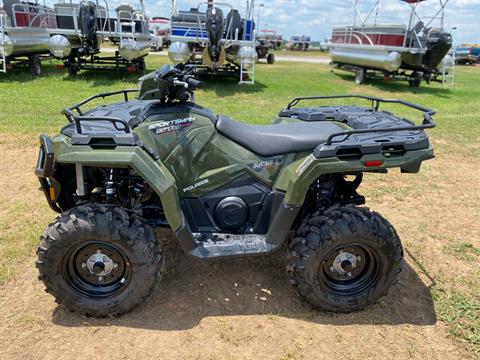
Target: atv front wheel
{"x":99,"y":261}
{"x":344,"y":258}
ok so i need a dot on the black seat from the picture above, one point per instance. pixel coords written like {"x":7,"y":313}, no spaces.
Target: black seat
{"x":278,"y":139}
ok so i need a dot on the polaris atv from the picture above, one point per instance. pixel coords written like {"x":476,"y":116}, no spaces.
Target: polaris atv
{"x":226,"y":189}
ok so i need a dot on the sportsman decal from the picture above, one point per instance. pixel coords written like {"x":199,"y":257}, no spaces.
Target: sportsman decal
{"x":172,"y":125}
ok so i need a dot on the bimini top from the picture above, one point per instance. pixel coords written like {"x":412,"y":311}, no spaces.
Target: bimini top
{"x":412,"y":1}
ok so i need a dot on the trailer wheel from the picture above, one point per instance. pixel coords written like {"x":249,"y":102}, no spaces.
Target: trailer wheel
{"x":35,"y":66}
{"x":72,"y":69}
{"x":360,"y":77}
{"x":270,"y":58}
{"x":415,"y":82}
{"x":140,"y":67}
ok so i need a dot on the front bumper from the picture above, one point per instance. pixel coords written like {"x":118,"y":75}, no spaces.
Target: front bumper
{"x":44,"y":171}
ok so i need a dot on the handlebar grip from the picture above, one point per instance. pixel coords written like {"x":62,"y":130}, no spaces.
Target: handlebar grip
{"x":193,"y":82}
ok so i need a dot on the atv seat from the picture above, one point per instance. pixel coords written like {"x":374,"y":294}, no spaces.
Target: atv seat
{"x":278,"y":139}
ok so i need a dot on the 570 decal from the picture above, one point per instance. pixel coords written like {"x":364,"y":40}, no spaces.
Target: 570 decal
{"x":172,"y":125}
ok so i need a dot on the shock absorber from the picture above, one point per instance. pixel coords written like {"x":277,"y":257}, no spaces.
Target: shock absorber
{"x":110,"y":188}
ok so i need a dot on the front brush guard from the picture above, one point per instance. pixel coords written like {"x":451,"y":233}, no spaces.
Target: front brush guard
{"x":44,"y":171}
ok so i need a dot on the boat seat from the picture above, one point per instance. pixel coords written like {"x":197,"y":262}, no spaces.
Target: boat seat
{"x":278,"y":139}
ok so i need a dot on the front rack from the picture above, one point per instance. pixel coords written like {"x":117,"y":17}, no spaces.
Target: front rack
{"x":79,"y":116}
{"x":427,"y":123}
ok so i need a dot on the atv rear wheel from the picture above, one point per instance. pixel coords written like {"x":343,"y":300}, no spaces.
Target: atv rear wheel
{"x":99,"y":261}
{"x":344,"y":258}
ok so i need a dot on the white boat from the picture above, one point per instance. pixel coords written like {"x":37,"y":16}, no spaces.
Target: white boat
{"x":24,"y":34}
{"x":83,"y":27}
{"x":413,"y":51}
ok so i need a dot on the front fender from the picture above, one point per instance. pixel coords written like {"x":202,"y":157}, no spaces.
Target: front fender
{"x":153,"y":172}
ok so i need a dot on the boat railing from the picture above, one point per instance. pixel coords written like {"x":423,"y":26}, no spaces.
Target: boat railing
{"x":124,"y":19}
{"x":73,"y":13}
{"x":3,"y":58}
{"x":350,"y":33}
{"x":3,"y":25}
{"x":129,"y":19}
{"x":33,"y":16}
{"x":199,"y":31}
{"x":126,"y":34}
{"x":107,"y":19}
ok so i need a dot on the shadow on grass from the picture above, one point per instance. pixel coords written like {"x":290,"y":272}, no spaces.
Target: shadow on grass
{"x":21,"y":74}
{"x":400,"y":86}
{"x":51,"y":70}
{"x":192,"y":290}
{"x":99,"y":77}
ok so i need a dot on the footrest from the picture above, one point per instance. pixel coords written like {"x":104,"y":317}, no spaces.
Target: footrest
{"x":216,"y":245}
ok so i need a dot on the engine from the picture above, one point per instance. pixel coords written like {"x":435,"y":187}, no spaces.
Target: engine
{"x":242,"y":206}
{"x":214,"y":31}
{"x":88,"y":26}
{"x":119,"y":187}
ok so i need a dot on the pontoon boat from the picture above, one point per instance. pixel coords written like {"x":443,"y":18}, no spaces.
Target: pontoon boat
{"x":24,"y":35}
{"x":412,"y":51}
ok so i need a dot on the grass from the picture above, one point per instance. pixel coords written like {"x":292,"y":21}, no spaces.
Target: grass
{"x":462,"y":314}
{"x":448,"y":187}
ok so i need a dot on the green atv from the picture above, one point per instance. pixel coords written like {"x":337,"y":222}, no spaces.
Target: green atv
{"x":227,"y":189}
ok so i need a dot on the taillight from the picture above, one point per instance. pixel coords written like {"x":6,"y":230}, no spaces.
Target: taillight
{"x":373,"y":163}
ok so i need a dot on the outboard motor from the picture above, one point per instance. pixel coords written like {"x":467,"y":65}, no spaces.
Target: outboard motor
{"x":234,"y":25}
{"x":438,"y":45}
{"x":88,"y":26}
{"x":214,"y":31}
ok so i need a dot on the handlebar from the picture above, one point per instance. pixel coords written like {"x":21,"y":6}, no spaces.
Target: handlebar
{"x":190,"y":80}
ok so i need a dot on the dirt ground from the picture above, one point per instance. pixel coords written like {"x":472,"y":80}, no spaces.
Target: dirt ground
{"x":245,"y":308}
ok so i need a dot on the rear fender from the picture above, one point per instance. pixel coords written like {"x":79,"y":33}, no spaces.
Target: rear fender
{"x":295,"y":179}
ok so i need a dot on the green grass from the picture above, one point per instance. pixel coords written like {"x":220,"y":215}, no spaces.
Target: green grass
{"x":462,"y":314}
{"x":30,"y":106}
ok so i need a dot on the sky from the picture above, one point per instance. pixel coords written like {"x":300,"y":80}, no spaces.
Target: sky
{"x":317,"y":17}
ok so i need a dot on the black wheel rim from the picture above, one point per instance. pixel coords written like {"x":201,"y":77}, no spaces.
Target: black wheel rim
{"x":97,"y":269}
{"x":350,"y":269}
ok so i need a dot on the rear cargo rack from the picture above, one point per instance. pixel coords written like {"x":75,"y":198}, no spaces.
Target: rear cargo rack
{"x":426,"y":124}
{"x":79,"y":116}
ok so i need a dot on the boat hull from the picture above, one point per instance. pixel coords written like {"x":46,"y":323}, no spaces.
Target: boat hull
{"x":386,"y":60}
{"x":23,"y":42}
{"x":130,"y":49}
